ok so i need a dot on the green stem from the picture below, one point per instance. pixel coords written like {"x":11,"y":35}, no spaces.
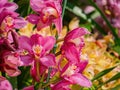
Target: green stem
{"x":106,"y":20}
{"x":11,"y":0}
{"x":28,"y":11}
{"x":64,"y":6}
{"x":48,"y":77}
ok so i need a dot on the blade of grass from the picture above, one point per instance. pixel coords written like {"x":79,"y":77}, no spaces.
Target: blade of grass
{"x":64,"y":6}
{"x":115,"y":77}
{"x":102,"y":73}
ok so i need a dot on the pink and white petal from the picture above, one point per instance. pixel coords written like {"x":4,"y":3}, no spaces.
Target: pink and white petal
{"x":26,"y":60}
{"x":48,"y":43}
{"x":72,"y":54}
{"x":58,"y":24}
{"x":48,"y":60}
{"x":61,"y":85}
{"x":11,"y":6}
{"x":5,"y":84}
{"x":29,"y":88}
{"x":12,"y":61}
{"x":24,"y":43}
{"x":78,"y":32}
{"x":19,"y":22}
{"x":78,"y":78}
{"x":36,"y":39}
{"x":81,"y":66}
{"x":12,"y":71}
{"x":34,"y":19}
{"x":3,"y":2}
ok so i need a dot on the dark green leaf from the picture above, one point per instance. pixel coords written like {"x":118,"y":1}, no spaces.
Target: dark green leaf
{"x":102,"y":73}
{"x":115,"y":77}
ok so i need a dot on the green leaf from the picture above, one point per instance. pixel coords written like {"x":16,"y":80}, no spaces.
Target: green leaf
{"x":117,"y":49}
{"x":102,"y":73}
{"x":115,"y":77}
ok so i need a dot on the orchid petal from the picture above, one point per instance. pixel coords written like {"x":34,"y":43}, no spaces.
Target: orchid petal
{"x":36,"y":5}
{"x":36,"y":39}
{"x":78,"y":32}
{"x":5,"y":84}
{"x":62,"y":85}
{"x":48,"y":43}
{"x":78,"y":78}
{"x":3,"y":2}
{"x":34,"y":19}
{"x":27,"y":44}
{"x":58,"y":24}
{"x":72,"y":54}
{"x":19,"y":23}
{"x":82,"y":65}
{"x":10,"y":6}
{"x":26,"y":60}
{"x":48,"y":60}
{"x":12,"y":71}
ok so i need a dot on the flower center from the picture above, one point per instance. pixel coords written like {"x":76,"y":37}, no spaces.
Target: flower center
{"x":37,"y":49}
{"x":7,"y":23}
{"x":49,"y":11}
{"x":70,"y":71}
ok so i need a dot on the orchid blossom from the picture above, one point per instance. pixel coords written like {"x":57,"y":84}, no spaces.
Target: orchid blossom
{"x":35,"y":52}
{"x":70,"y":64}
{"x":8,"y":18}
{"x":49,"y":11}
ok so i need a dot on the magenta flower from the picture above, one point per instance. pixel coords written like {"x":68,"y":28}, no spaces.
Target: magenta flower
{"x":111,"y":8}
{"x":8,"y":18}
{"x":4,"y":84}
{"x":71,"y":50}
{"x":49,"y":11}
{"x":36,"y":53}
{"x":72,"y":73}
{"x":5,"y":5}
{"x":73,"y":43}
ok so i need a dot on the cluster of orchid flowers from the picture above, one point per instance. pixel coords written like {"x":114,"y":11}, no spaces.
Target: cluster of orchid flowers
{"x":111,"y":9}
{"x":57,"y":70}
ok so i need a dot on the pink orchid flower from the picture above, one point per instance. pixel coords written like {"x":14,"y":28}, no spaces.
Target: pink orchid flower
{"x":8,"y":18}
{"x":5,"y":84}
{"x":71,"y":49}
{"x":72,"y":73}
{"x":73,"y":43}
{"x":49,"y":11}
{"x":36,"y":53}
